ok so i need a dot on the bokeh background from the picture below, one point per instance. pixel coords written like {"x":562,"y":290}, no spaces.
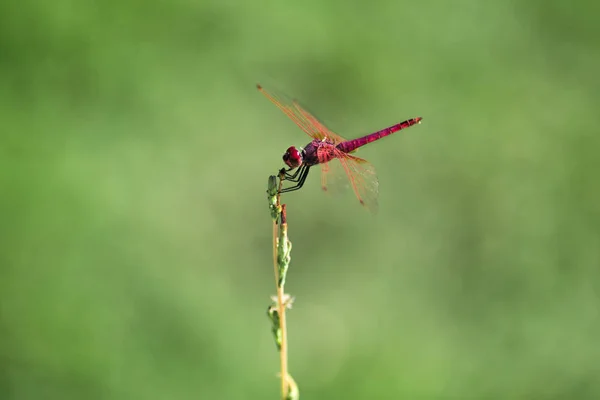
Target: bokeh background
{"x":135,"y":237}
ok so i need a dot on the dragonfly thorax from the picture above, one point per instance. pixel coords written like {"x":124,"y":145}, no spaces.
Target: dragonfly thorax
{"x":293,"y":157}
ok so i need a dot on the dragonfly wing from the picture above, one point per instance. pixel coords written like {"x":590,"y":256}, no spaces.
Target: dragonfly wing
{"x":288,"y":108}
{"x":327,"y":133}
{"x":351,"y":171}
{"x":333,"y":177}
{"x":305,"y":120}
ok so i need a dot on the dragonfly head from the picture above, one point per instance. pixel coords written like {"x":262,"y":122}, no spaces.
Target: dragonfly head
{"x":292,"y":157}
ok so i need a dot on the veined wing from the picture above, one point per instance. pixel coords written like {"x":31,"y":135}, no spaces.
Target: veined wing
{"x":305,"y":120}
{"x":326,"y":132}
{"x":359,"y":174}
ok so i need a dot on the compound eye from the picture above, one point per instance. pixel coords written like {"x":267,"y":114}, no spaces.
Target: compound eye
{"x":292,"y":157}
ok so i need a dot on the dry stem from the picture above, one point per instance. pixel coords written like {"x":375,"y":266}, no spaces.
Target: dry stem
{"x":281,"y":306}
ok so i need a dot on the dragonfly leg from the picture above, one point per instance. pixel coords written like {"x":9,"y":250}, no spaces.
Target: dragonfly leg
{"x":301,"y":180}
{"x":296,"y":176}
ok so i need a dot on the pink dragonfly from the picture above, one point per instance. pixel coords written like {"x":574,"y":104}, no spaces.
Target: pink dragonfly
{"x":327,"y":146}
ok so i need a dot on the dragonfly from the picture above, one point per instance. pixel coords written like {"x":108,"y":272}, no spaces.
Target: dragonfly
{"x":326,"y":147}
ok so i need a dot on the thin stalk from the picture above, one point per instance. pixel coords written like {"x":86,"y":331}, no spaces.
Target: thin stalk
{"x":281,"y":260}
{"x":283,"y":359}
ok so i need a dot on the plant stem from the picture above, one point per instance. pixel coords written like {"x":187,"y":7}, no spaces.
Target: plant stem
{"x":281,"y":311}
{"x":281,"y":306}
{"x":281,"y":260}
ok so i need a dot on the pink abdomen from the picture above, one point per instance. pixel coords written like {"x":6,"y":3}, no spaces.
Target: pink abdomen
{"x":354,"y":144}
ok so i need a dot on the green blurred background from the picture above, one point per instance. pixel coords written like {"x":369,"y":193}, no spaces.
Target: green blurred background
{"x":135,"y":237}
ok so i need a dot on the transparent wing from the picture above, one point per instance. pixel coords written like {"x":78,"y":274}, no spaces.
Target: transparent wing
{"x":327,"y":133}
{"x":305,"y":120}
{"x":334,"y":179}
{"x":359,"y":174}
